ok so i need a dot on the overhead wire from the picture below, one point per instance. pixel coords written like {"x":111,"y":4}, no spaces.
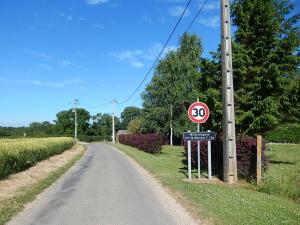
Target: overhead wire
{"x":97,"y":106}
{"x":160,"y":53}
{"x":196,"y":16}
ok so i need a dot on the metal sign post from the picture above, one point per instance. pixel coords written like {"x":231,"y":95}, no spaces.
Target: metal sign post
{"x":198,"y":112}
{"x":189,"y":160}
{"x":198,"y":149}
{"x":209,"y":157}
{"x":198,"y":152}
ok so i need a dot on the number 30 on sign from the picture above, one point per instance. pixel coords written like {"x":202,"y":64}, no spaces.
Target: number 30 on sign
{"x":198,"y":112}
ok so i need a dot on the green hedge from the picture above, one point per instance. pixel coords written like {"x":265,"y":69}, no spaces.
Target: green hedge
{"x":289,"y":133}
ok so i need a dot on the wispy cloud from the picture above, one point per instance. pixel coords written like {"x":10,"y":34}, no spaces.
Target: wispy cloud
{"x":151,"y":20}
{"x":82,"y":19}
{"x":210,"y":5}
{"x":45,"y":66}
{"x":213,"y":22}
{"x":61,"y":62}
{"x":60,"y":84}
{"x":133,"y":57}
{"x":177,"y":11}
{"x":99,"y":26}
{"x":65,"y":15}
{"x":137,"y":57}
{"x":96,"y":2}
{"x":147,"y":19}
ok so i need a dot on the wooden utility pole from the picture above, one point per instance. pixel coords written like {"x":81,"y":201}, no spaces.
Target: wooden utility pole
{"x":113,"y":120}
{"x":229,"y":141}
{"x":258,"y":158}
{"x":171,"y":126}
{"x":76,"y":103}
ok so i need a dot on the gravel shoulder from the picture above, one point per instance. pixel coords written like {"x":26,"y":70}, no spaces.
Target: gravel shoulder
{"x":11,"y":186}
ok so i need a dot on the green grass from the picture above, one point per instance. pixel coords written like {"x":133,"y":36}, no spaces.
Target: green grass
{"x":217,"y":204}
{"x":283,"y":174}
{"x":10,"y":207}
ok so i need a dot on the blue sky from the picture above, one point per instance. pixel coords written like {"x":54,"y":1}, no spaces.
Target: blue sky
{"x":52,"y":51}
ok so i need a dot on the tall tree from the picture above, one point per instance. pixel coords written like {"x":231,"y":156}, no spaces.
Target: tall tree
{"x":265,"y":63}
{"x":102,"y":125}
{"x":129,"y":113}
{"x":66,"y":119}
{"x":43,"y":129}
{"x":174,"y":86}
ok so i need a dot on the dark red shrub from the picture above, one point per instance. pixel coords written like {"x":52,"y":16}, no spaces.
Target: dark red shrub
{"x":246,"y":156}
{"x":147,"y":142}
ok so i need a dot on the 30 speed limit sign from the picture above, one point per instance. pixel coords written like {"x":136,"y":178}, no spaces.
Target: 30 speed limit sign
{"x":198,"y":112}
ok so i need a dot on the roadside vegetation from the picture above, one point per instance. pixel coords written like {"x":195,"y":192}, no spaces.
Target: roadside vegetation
{"x":216,"y":203}
{"x":11,"y":206}
{"x":19,"y":154}
{"x":289,"y":133}
{"x":282,"y":176}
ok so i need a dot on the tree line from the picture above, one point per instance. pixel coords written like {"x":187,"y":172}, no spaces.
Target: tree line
{"x":266,"y":80}
{"x":99,"y":125}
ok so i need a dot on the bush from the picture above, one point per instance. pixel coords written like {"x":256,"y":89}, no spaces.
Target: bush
{"x":289,"y":133}
{"x":246,"y":156}
{"x":147,"y":142}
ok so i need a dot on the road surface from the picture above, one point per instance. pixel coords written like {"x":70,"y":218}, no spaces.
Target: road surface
{"x":104,"y":187}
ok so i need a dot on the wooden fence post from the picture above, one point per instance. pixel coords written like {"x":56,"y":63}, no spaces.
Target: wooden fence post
{"x":258,"y":158}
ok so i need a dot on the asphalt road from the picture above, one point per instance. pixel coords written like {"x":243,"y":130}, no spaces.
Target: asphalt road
{"x":104,"y":187}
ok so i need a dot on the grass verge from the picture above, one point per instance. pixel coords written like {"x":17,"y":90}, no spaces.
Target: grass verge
{"x":217,"y":204}
{"x":282,"y":177}
{"x":11,"y":206}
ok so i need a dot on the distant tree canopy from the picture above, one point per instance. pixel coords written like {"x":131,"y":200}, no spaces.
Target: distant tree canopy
{"x":65,"y":122}
{"x":102,"y":125}
{"x":266,"y":81}
{"x":129,"y":113}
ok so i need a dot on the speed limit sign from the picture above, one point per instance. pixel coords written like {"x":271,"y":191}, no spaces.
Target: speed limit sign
{"x":198,"y":112}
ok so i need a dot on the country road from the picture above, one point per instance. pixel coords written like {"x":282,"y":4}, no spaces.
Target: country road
{"x":104,"y":187}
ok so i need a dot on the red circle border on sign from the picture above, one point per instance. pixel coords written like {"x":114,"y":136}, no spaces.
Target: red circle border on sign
{"x":190,"y":112}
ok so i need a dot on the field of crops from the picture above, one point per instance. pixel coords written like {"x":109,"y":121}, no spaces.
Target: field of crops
{"x":19,"y":154}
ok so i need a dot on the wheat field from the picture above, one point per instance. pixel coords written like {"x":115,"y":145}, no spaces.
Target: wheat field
{"x":19,"y":154}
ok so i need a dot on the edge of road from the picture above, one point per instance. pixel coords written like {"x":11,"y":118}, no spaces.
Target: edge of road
{"x":11,"y":207}
{"x":163,"y":194}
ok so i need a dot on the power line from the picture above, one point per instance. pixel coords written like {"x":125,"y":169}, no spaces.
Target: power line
{"x":198,"y":13}
{"x":97,"y":106}
{"x":160,"y":53}
{"x":157,"y":58}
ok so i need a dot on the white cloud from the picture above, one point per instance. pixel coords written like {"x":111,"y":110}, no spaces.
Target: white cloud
{"x":213,"y":22}
{"x":137,"y":64}
{"x":137,"y":57}
{"x":96,"y":2}
{"x":177,"y":11}
{"x":61,"y":62}
{"x":60,"y":84}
